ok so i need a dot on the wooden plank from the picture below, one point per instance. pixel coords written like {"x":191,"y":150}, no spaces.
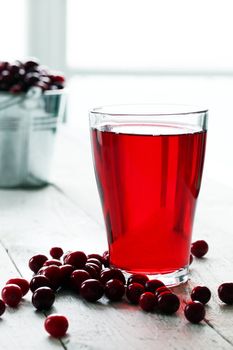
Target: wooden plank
{"x":74,"y":175}
{"x":24,"y":235}
{"x":33,"y":221}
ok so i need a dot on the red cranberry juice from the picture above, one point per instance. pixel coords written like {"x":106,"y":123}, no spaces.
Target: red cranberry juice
{"x":148,"y":184}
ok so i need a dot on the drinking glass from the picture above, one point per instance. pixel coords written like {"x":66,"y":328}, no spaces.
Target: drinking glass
{"x":148,"y":162}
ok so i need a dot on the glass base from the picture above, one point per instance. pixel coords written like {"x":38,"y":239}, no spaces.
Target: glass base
{"x":171,"y":279}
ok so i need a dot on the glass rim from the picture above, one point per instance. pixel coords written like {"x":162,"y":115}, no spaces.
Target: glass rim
{"x":123,"y":110}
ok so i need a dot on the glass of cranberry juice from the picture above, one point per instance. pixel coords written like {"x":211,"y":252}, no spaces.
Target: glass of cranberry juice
{"x":148,"y":162}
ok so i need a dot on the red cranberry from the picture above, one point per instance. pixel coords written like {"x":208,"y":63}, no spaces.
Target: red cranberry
{"x":33,"y":70}
{"x":6,"y":76}
{"x":66,"y":271}
{"x":94,"y":261}
{"x":138,"y":278}
{"x":77,"y":259}
{"x":4,"y":65}
{"x":225,"y":293}
{"x":39,"y":281}
{"x":15,"y":89}
{"x":21,"y":282}
{"x":105,"y":253}
{"x":96,"y":256}
{"x":108,"y":274}
{"x":153,"y":285}
{"x":134,"y":291}
{"x":43,"y":298}
{"x":56,"y":252}
{"x":20,"y":78}
{"x":92,"y":271}
{"x":31,"y":64}
{"x":114,"y":290}
{"x":96,"y":267}
{"x":91,"y":290}
{"x":105,"y":259}
{"x":53,"y":273}
{"x":57,"y":78}
{"x":199,"y":248}
{"x":56,"y":325}
{"x":190,"y":259}
{"x":11,"y":295}
{"x":2,"y":307}
{"x":77,"y":278}
{"x":65,"y":255}
{"x":168,"y":302}
{"x":36,"y":262}
{"x":32,"y":78}
{"x":52,"y":262}
{"x":201,"y":294}
{"x":194,"y":311}
{"x":147,"y":301}
{"x":21,"y":73}
{"x":160,"y":290}
{"x":14,"y":68}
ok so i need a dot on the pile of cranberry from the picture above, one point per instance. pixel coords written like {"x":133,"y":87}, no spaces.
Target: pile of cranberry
{"x":91,"y":277}
{"x":20,"y":76}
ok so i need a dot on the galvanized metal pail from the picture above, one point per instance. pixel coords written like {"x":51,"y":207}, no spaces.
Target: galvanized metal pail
{"x":28,"y":127}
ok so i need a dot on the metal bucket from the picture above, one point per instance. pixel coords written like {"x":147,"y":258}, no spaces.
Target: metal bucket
{"x":28,"y":127}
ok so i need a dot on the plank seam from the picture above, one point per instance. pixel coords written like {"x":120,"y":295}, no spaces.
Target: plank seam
{"x":221,"y":335}
{"x":11,"y":259}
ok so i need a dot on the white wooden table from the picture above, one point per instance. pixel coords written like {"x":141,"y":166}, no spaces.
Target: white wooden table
{"x":67,"y":213}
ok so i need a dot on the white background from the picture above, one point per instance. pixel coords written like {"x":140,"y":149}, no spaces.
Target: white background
{"x":150,"y":35}
{"x":134,"y":51}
